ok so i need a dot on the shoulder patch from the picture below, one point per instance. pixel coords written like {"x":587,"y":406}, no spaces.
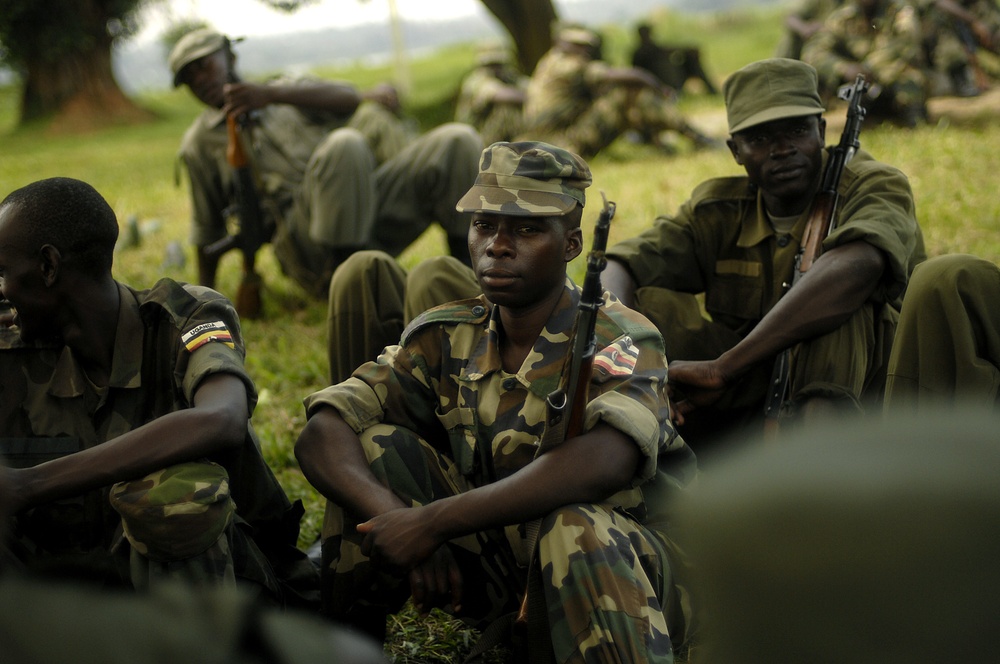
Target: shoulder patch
{"x":473,"y":310}
{"x":205,"y":333}
{"x":619,"y":358}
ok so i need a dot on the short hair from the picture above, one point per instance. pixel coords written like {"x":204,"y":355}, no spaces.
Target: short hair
{"x":70,"y":215}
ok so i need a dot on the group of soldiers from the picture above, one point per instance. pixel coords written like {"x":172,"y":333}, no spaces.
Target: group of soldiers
{"x":909,"y":49}
{"x":454,"y":475}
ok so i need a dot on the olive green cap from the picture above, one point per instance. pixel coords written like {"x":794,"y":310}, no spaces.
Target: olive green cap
{"x":769,"y":90}
{"x":195,"y":44}
{"x":527,"y":179}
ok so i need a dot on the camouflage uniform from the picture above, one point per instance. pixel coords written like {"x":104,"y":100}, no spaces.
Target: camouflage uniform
{"x":323,"y":186}
{"x":217,"y":518}
{"x":722,"y":244}
{"x":890,"y":48}
{"x":477,"y":103}
{"x":951,"y":45}
{"x":437,"y":416}
{"x":810,"y":11}
{"x":570,"y":103}
{"x":947,"y":347}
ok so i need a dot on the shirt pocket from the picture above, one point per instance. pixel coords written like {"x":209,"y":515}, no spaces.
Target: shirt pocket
{"x":461,"y":426}
{"x":736,"y":291}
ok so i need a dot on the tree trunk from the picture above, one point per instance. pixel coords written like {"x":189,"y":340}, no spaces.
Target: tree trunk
{"x":78,"y":91}
{"x":529,"y":23}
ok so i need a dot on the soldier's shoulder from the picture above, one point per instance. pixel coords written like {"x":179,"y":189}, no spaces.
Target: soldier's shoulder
{"x":732,"y":188}
{"x":180,"y":301}
{"x":616,"y":320}
{"x":471,"y":311}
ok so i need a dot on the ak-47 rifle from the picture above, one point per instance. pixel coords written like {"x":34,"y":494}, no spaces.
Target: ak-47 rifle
{"x":567,"y":403}
{"x":818,"y":227}
{"x":253,"y":231}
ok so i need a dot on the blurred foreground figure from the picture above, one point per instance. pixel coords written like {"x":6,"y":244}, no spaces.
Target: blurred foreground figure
{"x":871,"y":544}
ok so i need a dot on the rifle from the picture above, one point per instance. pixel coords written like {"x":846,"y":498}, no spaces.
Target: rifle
{"x":566,"y":404}
{"x":818,"y":227}
{"x":252,"y":228}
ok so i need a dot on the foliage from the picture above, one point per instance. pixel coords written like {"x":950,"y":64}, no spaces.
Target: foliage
{"x":51,"y":29}
{"x":952,"y":167}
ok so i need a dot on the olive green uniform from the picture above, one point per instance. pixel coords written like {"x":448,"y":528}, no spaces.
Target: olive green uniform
{"x":438,"y":416}
{"x":322,"y":184}
{"x":721,"y":244}
{"x":170,"y":338}
{"x":947,"y":346}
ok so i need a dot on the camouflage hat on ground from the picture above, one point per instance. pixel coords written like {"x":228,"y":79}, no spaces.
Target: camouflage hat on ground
{"x":771,"y":90}
{"x":195,"y":44}
{"x":177,"y":512}
{"x":527,"y":179}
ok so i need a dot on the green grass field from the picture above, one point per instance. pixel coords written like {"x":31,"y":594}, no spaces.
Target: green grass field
{"x":952,"y":163}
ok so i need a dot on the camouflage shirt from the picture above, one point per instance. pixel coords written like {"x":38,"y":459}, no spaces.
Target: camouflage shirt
{"x":169,"y":339}
{"x":721,"y":242}
{"x":445,"y":382}
{"x":889,"y":46}
{"x":561,"y":88}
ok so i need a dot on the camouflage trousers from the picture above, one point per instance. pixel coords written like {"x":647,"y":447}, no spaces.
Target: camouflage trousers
{"x":613,"y":112}
{"x":607,"y":580}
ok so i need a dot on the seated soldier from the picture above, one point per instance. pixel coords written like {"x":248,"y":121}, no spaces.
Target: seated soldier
{"x":674,"y":65}
{"x":430,"y":456}
{"x":946,"y":351}
{"x":126,"y":416}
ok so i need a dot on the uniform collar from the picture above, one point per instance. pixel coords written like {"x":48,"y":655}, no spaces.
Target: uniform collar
{"x":126,"y":362}
{"x":542,"y":369}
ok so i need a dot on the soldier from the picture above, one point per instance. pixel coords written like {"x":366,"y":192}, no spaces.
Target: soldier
{"x":802,"y":24}
{"x":881,"y":39}
{"x":946,"y":350}
{"x":428,"y":455}
{"x":673,"y":65}
{"x":491,"y":97}
{"x":873,"y":543}
{"x":319,"y":178}
{"x":126,"y":416}
{"x":735,"y":241}
{"x":577,"y":100}
{"x":954,"y":33}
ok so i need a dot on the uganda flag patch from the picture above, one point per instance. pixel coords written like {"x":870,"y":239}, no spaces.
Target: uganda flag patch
{"x":619,"y":358}
{"x":207,"y":333}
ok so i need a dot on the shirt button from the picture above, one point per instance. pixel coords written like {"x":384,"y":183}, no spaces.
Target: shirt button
{"x":509,"y":383}
{"x":783,"y":240}
{"x":478,"y":310}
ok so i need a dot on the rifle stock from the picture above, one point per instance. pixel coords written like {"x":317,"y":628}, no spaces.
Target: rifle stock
{"x":818,"y":226}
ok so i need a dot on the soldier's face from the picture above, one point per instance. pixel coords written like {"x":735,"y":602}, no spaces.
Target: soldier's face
{"x":22,"y":281}
{"x":519,"y":261}
{"x":206,"y":77}
{"x":783,"y":158}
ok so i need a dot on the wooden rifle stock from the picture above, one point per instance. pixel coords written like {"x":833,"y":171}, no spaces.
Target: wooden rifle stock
{"x":818,"y":227}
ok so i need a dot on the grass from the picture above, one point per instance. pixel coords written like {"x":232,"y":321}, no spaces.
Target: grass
{"x":952,"y":167}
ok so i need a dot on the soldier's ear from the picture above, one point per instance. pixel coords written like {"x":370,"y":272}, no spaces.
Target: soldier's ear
{"x":734,"y":150}
{"x":50,"y":262}
{"x":574,"y":243}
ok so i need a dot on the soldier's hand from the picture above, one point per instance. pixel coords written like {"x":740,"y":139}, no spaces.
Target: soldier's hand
{"x":244,"y":97}
{"x":437,"y":582}
{"x":400,"y":539}
{"x":698,"y":384}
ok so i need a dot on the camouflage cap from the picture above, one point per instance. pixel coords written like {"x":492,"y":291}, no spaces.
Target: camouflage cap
{"x":527,"y":179}
{"x":769,"y":90}
{"x":177,"y":512}
{"x":195,"y":44}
